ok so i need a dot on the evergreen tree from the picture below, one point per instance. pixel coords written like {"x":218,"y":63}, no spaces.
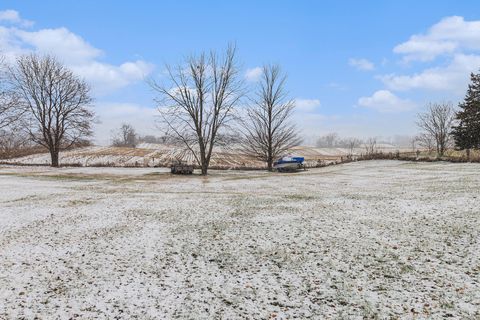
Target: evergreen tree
{"x":467,"y":131}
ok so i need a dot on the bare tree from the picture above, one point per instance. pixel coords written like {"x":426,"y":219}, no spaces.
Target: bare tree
{"x":327,"y":141}
{"x":268,"y":132}
{"x":199,"y":102}
{"x":7,"y":109}
{"x":55,"y":101}
{"x":352,"y":144}
{"x":436,"y":124}
{"x":371,"y":145}
{"x":125,"y":136}
{"x":12,"y":142}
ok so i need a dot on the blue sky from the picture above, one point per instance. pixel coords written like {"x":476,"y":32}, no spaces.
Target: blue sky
{"x":362,"y":68}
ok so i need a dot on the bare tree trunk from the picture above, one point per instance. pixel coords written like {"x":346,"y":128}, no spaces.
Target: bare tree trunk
{"x":270,"y":151}
{"x":205,"y":168}
{"x":270,"y":163}
{"x":204,"y":163}
{"x":205,"y":157}
{"x":54,"y":157}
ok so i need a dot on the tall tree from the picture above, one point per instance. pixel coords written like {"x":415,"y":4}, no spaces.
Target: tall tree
{"x":199,"y":102}
{"x":466,"y":132}
{"x":125,"y":136}
{"x":268,"y":130}
{"x":56,"y":103}
{"x":436,"y":124}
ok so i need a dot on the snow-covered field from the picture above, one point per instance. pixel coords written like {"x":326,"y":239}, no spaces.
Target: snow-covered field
{"x":150,"y":155}
{"x":382,"y":239}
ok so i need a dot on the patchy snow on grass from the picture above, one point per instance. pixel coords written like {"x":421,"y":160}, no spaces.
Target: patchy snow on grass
{"x":384,"y":239}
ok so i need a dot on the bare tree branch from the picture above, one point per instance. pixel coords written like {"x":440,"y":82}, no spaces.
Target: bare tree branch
{"x":9,"y":111}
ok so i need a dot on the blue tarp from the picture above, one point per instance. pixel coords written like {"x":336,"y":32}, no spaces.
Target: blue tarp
{"x":290,"y":160}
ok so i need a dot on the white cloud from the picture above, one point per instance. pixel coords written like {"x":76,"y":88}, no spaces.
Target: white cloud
{"x":455,"y":40}
{"x":337,"y":86}
{"x":385,"y":101}
{"x":105,"y":77}
{"x":10,"y":46}
{"x":13,"y":17}
{"x":60,"y":42}
{"x":307,"y":105}
{"x":253,"y":74}
{"x":75,"y":52}
{"x":452,"y":78}
{"x":450,"y":35}
{"x":361,"y":64}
